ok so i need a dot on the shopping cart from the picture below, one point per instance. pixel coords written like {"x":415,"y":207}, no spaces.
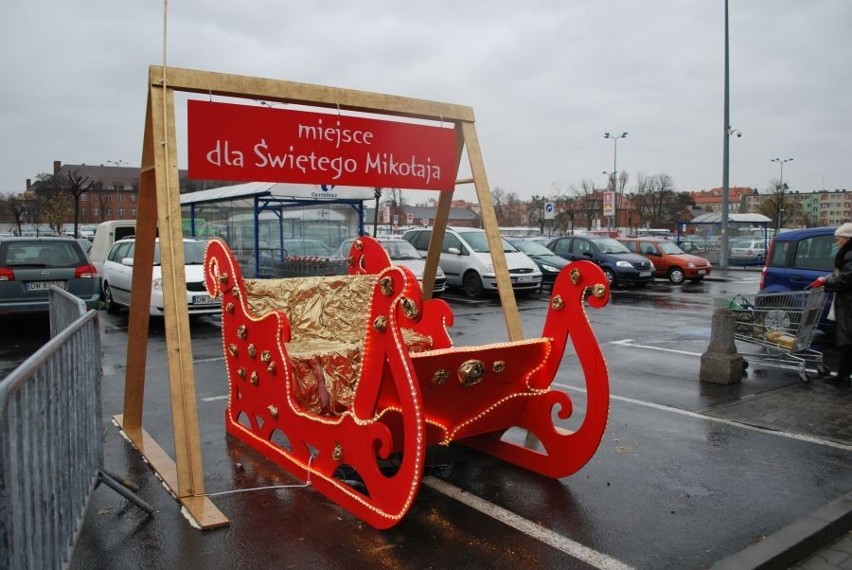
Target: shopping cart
{"x":782,"y":325}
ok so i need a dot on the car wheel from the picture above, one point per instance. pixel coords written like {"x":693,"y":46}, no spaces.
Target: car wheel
{"x":610,"y":276}
{"x":111,"y":307}
{"x":676,"y":275}
{"x":473,"y":285}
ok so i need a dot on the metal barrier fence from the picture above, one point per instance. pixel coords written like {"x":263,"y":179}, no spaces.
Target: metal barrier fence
{"x":297,"y":266}
{"x":65,"y":308}
{"x":51,"y":450}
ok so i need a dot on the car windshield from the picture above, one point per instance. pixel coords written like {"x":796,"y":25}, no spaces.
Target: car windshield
{"x":670,"y":247}
{"x":531,"y":247}
{"x":399,"y":250}
{"x":609,"y":245}
{"x":193,"y":253}
{"x":479,"y":243}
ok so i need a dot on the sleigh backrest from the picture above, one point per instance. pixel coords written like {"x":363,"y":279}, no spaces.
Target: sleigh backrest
{"x":332,"y":308}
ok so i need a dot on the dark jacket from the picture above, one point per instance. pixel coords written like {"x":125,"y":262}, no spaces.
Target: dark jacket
{"x":840,"y":283}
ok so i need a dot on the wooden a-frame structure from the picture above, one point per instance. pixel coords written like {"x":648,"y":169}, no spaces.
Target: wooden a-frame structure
{"x":159,"y":207}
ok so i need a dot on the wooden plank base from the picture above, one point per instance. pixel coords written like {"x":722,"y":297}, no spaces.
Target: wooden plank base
{"x":202,"y":510}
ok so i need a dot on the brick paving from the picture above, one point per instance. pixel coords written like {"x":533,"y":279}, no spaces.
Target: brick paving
{"x":835,"y":556}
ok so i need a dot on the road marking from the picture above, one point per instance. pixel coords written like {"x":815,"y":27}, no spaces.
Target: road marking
{"x":732,"y":423}
{"x":214,"y":398}
{"x":531,"y":529}
{"x":630,"y":342}
{"x":210,"y":359}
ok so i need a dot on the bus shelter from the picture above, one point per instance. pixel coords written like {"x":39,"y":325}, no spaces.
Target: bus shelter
{"x":702,"y":235}
{"x":278,"y":229}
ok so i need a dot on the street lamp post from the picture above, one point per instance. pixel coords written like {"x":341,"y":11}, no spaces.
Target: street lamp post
{"x":614,"y":165}
{"x":779,"y":196}
{"x":726,"y":125}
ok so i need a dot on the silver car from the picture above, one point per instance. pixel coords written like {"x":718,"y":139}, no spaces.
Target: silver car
{"x":466,"y":259}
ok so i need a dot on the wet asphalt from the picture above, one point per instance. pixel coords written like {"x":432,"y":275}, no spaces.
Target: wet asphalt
{"x":688,"y":474}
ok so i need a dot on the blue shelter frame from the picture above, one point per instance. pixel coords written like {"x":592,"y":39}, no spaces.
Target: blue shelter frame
{"x":224,"y":212}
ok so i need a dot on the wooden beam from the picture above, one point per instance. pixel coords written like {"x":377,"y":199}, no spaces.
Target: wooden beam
{"x":205,"y":513}
{"x":439,"y":225}
{"x":176,"y":314}
{"x":140,"y":295}
{"x":229,"y":85}
{"x":492,"y":233}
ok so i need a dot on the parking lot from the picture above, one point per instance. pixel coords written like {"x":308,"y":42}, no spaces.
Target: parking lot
{"x":687,"y":474}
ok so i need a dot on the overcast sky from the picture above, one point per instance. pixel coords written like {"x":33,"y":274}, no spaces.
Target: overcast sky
{"x":545,"y":79}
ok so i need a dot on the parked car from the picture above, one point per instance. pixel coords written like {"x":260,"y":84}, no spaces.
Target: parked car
{"x":548,"y":262}
{"x":29,"y":266}
{"x":118,"y":278}
{"x":795,"y":259}
{"x":306,"y":247}
{"x":748,"y":251}
{"x":466,"y":261}
{"x":670,"y":261}
{"x":402,"y":253}
{"x":690,"y":244}
{"x":106,"y":234}
{"x":85,"y":245}
{"x":617,"y":262}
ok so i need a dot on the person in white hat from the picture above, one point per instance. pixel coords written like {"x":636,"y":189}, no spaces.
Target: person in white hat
{"x":839,"y":282}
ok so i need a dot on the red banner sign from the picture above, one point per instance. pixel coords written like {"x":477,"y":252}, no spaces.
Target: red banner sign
{"x":258,"y":144}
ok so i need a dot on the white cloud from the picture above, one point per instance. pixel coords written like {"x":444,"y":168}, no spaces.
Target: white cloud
{"x":545,"y":79}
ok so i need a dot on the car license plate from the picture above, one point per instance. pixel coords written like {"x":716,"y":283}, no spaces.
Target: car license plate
{"x":702,"y":272}
{"x":42,"y":285}
{"x":644,"y":274}
{"x":201,"y":299}
{"x":524,"y":279}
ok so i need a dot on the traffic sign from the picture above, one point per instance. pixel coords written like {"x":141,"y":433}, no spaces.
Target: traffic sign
{"x":549,"y":211}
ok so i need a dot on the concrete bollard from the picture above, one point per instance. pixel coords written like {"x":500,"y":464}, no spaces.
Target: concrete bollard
{"x":721,"y":363}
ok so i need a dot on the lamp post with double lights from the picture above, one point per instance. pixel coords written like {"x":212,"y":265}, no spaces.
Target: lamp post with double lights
{"x":779,"y":196}
{"x":614,"y":166}
{"x":117,"y":162}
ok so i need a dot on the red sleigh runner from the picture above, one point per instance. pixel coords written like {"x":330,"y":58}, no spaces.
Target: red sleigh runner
{"x":330,"y":376}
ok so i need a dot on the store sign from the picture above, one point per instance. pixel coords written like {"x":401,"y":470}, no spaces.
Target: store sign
{"x":241,"y":142}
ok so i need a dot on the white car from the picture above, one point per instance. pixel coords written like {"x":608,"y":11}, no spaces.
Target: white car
{"x":117,"y":279}
{"x":402,"y":253}
{"x":748,"y":251}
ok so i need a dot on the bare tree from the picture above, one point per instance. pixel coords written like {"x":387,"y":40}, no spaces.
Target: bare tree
{"x":498,"y":196}
{"x":12,"y":207}
{"x":51,"y":203}
{"x":566,"y":212}
{"x":657,"y":202}
{"x":513,"y":210}
{"x":779,"y":206}
{"x":590,"y":202}
{"x":623,"y":177}
{"x":535,"y":212}
{"x":76,"y":186}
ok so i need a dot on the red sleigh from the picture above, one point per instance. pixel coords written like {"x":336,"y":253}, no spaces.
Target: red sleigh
{"x":331,"y":377}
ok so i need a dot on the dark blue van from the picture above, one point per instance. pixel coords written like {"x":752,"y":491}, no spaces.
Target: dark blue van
{"x":795,"y":259}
